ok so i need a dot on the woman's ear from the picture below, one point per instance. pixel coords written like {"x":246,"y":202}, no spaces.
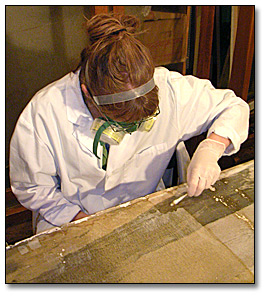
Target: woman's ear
{"x":85,"y":91}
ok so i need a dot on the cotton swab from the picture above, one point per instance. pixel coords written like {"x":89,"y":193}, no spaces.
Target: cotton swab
{"x":177,"y":200}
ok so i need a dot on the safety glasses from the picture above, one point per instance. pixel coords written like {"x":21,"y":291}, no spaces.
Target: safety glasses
{"x":129,"y":127}
{"x":124,"y":126}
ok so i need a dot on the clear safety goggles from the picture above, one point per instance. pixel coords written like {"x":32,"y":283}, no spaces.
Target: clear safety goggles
{"x":129,"y":127}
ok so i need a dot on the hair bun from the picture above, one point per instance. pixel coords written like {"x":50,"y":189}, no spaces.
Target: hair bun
{"x":131,"y":23}
{"x":104,"y":25}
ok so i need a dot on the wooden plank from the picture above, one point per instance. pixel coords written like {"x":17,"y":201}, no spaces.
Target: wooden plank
{"x":243,"y":52}
{"x":185,"y":44}
{"x":119,"y":9}
{"x":218,"y":38}
{"x":18,"y":219}
{"x":207,"y":16}
{"x":147,"y":240}
{"x":18,"y":226}
{"x":234,"y":22}
{"x":167,"y":39}
{"x":101,"y":9}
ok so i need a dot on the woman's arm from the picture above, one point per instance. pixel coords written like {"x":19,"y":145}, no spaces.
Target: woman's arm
{"x":34,"y":178}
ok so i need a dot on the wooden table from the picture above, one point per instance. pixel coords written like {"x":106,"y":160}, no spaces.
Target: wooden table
{"x":208,"y":239}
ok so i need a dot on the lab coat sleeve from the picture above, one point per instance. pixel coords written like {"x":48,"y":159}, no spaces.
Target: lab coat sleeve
{"x":34,"y":178}
{"x":201,"y":108}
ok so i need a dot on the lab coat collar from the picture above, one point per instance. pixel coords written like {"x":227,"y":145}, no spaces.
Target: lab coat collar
{"x":78,"y":113}
{"x":76,"y":107}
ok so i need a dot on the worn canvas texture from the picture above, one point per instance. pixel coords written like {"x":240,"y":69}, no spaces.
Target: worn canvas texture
{"x":208,"y":239}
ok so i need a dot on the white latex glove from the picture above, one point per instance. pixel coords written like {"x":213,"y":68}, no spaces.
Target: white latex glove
{"x":203,"y":170}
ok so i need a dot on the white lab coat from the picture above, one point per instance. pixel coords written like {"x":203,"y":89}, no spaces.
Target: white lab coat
{"x":53,"y":169}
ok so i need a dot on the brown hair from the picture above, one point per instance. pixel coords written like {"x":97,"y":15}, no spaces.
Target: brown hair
{"x":117,"y":62}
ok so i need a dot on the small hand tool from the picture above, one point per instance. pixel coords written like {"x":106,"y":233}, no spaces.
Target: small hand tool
{"x":177,"y":200}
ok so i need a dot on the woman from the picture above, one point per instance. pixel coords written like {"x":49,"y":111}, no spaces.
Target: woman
{"x":60,"y":166}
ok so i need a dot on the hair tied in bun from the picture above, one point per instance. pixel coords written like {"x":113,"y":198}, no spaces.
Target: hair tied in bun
{"x":124,"y":29}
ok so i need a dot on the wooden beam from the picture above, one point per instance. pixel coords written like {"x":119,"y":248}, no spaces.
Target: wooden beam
{"x":185,"y":47}
{"x":101,"y":9}
{"x":119,"y":9}
{"x":18,"y":219}
{"x":207,"y":14}
{"x":243,"y":52}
